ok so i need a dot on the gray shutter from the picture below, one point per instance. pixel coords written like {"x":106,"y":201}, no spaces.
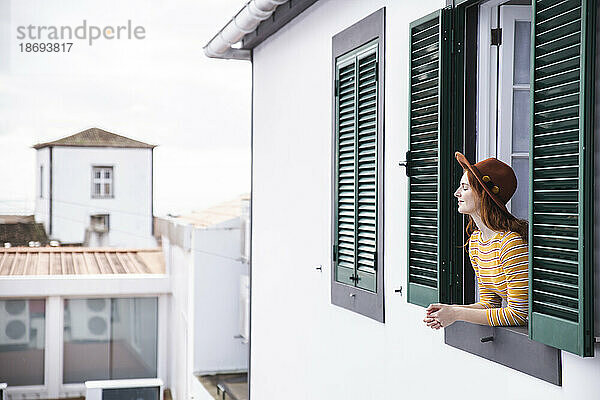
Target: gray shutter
{"x":356,"y":168}
{"x":366,"y":230}
{"x":560,"y":251}
{"x":429,"y":133}
{"x":345,"y":173}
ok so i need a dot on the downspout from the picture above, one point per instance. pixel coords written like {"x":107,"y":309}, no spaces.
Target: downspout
{"x":50,"y":195}
{"x":250,"y":224}
{"x":244,"y":22}
{"x":152,"y":191}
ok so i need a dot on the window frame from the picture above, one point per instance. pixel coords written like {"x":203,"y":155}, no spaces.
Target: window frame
{"x":103,"y":181}
{"x":495,"y":92}
{"x":76,"y":386}
{"x":361,"y":301}
{"x":106,"y":222}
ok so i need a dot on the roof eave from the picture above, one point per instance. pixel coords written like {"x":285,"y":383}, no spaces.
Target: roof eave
{"x":221,"y":44}
{"x":231,"y":54}
{"x":43,"y":145}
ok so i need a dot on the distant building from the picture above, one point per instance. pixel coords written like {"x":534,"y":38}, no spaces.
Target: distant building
{"x":206,"y":256}
{"x":72,"y":314}
{"x":95,"y":188}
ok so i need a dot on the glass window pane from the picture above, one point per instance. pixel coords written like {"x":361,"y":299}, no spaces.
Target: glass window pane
{"x":107,"y":174}
{"x":522,"y":51}
{"x":97,"y":189}
{"x":110,"y":339}
{"x":107,"y":189}
{"x":134,"y":341}
{"x":520,"y":200}
{"x":97,"y":174}
{"x":86,"y":340}
{"x":148,"y":393}
{"x":520,"y":122}
{"x":22,"y":342}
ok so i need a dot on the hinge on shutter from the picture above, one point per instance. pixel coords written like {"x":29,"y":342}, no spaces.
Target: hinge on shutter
{"x":375,"y":261}
{"x":496,"y":35}
{"x":448,"y":37}
{"x":337,"y":87}
{"x":376,"y":71}
{"x":406,"y":163}
{"x":335,"y":252}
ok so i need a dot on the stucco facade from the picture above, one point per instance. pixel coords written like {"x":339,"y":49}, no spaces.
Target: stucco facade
{"x":67,"y":210}
{"x":301,"y":344}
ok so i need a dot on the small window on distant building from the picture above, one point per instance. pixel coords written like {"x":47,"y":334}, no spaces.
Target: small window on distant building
{"x":99,"y":223}
{"x":41,"y":181}
{"x":102,"y":182}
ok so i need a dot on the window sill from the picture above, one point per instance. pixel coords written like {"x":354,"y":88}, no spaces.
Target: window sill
{"x":510,"y":346}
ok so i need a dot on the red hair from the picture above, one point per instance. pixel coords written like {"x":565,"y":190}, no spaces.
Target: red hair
{"x":492,"y":215}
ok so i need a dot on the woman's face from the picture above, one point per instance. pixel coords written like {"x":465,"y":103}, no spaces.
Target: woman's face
{"x":468,"y":201}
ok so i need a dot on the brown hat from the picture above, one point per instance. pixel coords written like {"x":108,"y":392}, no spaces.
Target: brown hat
{"x":497,"y":178}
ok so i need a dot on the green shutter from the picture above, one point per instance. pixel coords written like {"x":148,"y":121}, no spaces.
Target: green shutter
{"x":428,"y":144}
{"x":355,"y":241}
{"x":561,"y":175}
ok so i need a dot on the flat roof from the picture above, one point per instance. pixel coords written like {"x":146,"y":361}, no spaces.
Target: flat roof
{"x":79,"y":261}
{"x":216,"y":214}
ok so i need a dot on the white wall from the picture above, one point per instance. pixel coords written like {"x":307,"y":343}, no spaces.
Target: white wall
{"x":301,"y":344}
{"x":130,"y":209}
{"x":42,"y":204}
{"x":205,"y":268}
{"x":218,"y":268}
{"x":179,"y":264}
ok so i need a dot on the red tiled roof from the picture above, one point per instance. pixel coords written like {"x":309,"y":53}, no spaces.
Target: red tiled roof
{"x":79,"y":261}
{"x":95,"y":137}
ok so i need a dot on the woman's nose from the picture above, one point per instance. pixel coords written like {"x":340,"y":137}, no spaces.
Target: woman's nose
{"x":457,"y":193}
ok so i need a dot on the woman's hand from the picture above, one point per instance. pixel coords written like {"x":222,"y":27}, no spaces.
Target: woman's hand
{"x":441,"y":315}
{"x":431,"y":321}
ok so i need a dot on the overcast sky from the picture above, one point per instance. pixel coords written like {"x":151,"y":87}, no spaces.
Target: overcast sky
{"x":160,"y":90}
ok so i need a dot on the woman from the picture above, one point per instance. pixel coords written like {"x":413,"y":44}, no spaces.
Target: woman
{"x":497,"y":248}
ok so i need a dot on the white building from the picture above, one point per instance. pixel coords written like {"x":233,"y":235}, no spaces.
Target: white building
{"x":69,"y":315}
{"x":208,"y":265}
{"x":335,"y":83}
{"x":95,"y":187}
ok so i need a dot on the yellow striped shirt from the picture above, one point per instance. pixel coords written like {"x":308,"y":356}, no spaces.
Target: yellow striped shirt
{"x":500,"y":265}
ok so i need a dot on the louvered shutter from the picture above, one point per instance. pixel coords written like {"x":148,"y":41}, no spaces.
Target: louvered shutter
{"x":366,"y":211}
{"x":356,"y":168}
{"x":560,"y":251}
{"x":345,"y":197}
{"x":428,"y":137}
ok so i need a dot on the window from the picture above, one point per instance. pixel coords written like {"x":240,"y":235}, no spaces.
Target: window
{"x":102,"y":182}
{"x":553,"y":152}
{"x":358,"y":71}
{"x":99,"y":223}
{"x":22,"y":341}
{"x":504,"y":103}
{"x":41,"y":181}
{"x":110,"y":339}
